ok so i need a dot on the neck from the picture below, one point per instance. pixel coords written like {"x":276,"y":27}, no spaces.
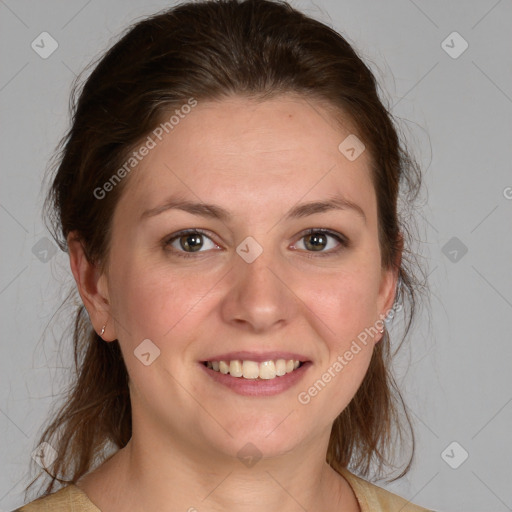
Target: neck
{"x":149,"y":476}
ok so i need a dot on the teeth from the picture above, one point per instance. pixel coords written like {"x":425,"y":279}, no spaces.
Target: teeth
{"x":251,"y":370}
{"x":266,"y":370}
{"x":223,"y":367}
{"x":280,"y":367}
{"x":235,"y":368}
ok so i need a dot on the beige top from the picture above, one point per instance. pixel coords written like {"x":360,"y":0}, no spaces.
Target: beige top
{"x":371,"y":498}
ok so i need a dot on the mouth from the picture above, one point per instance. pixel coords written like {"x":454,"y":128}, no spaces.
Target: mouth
{"x":253,"y":370}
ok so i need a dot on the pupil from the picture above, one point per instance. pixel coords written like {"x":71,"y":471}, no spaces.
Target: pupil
{"x":316,"y":245}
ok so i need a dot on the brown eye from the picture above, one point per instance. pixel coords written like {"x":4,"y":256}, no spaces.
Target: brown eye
{"x":192,"y":242}
{"x":188,"y":242}
{"x":317,"y":240}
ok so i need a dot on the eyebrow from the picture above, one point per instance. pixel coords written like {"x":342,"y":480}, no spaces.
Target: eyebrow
{"x":217,"y":212}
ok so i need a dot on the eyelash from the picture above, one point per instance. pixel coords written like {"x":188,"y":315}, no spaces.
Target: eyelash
{"x":344,"y":242}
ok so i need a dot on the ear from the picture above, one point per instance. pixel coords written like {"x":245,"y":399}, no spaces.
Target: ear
{"x":92,"y":286}
{"x":389,"y":281}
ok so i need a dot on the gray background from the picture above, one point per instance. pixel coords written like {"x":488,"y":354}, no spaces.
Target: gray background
{"x":456,"y":114}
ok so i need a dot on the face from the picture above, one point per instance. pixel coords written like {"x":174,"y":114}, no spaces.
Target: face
{"x":269,"y":280}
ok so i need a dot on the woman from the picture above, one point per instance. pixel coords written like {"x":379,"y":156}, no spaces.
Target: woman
{"x":228,"y":195}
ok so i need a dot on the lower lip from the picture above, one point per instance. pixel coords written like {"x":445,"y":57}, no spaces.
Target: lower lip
{"x":258,"y":387}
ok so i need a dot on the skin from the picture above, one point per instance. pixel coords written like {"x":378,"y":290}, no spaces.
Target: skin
{"x":257,"y":160}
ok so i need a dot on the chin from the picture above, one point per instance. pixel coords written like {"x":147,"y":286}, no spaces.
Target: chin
{"x":264,"y":437}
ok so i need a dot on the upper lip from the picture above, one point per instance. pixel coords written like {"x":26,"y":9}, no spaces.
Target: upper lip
{"x":258,"y":357}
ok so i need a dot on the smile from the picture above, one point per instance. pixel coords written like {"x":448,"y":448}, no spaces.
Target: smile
{"x":265,"y":370}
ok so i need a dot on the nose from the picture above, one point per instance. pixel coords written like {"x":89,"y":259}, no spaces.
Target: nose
{"x":258,"y":297}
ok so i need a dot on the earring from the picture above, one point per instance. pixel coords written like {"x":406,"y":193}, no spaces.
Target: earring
{"x":103,"y":330}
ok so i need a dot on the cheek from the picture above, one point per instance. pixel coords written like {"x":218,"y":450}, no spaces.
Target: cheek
{"x":348,"y":311}
{"x":345,"y":301}
{"x":152,"y":305}
{"x":149,"y":300}
{"x":346,"y":305}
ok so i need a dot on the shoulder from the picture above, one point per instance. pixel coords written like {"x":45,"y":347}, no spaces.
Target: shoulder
{"x":373,"y":498}
{"x":67,"y":499}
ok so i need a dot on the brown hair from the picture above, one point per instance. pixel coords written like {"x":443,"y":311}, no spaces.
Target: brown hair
{"x":208,"y":51}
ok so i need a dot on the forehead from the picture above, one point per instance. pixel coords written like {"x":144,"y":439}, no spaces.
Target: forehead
{"x":246,"y":154}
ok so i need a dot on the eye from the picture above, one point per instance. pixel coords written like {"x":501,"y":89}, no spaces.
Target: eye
{"x":318,"y":239}
{"x":187,"y":242}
